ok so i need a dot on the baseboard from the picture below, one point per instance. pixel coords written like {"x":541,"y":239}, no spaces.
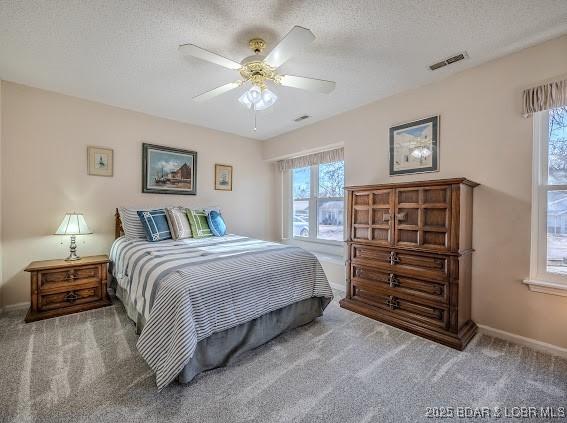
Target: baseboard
{"x":18,"y":306}
{"x":522,"y":340}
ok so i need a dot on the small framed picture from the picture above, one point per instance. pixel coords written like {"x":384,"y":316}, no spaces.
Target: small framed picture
{"x":223,"y":177}
{"x":100,"y":161}
{"x":414,"y":147}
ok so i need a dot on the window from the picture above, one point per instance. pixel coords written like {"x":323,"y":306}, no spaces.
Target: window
{"x":318,"y":202}
{"x":549,"y":206}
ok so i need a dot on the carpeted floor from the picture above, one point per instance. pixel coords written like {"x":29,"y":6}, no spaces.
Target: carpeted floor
{"x":341,"y":368}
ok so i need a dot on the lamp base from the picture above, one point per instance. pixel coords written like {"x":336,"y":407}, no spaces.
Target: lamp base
{"x":72,"y":257}
{"x":73,"y":250}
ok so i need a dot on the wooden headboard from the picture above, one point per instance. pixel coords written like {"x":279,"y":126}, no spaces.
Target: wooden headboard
{"x":118,"y":229}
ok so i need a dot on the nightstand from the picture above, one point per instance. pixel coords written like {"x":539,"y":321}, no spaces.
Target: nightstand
{"x":60,"y":287}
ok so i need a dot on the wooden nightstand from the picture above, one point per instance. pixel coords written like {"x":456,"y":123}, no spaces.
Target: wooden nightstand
{"x":60,"y":287}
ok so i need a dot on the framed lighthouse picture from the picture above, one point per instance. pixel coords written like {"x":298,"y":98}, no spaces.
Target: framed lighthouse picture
{"x":223,"y":177}
{"x":167,"y":170}
{"x":99,"y":161}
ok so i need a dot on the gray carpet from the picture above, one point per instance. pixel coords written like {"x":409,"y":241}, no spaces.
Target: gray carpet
{"x":341,"y":368}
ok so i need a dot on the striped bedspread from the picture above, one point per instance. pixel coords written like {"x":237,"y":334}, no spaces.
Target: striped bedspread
{"x":189,"y":289}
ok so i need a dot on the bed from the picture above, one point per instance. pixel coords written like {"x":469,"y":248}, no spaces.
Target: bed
{"x":201,"y":303}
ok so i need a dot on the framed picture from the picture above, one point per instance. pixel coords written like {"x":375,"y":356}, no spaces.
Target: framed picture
{"x":223,"y":177}
{"x":414,"y":147}
{"x":100,"y":161}
{"x":167,"y":170}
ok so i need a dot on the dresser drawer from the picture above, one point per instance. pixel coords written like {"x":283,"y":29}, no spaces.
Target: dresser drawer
{"x":62,"y":279}
{"x":69,"y":298}
{"x":409,"y":310}
{"x":419,"y":265}
{"x":400,"y":285}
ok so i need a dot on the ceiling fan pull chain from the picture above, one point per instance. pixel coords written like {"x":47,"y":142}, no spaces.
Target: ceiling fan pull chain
{"x":254,"y":118}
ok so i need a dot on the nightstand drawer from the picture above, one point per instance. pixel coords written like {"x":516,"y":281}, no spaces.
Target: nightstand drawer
{"x":69,"y":298}
{"x":61,"y":279}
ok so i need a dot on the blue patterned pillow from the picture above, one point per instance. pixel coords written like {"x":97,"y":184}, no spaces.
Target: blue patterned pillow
{"x":155,"y":224}
{"x":216,"y":223}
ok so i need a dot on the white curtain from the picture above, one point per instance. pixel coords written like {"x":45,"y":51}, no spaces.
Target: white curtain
{"x":544,"y":97}
{"x":312,"y":159}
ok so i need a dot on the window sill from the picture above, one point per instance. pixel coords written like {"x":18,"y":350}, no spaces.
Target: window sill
{"x":545,"y":287}
{"x":319,"y":241}
{"x":330,"y":248}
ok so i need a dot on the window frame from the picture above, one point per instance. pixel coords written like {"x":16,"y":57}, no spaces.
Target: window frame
{"x":313,"y":205}
{"x":540,"y":279}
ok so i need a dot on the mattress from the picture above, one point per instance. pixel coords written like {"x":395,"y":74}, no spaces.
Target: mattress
{"x":183,"y":292}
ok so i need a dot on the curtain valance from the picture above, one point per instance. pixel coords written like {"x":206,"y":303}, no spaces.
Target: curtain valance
{"x":312,"y":159}
{"x":544,"y":97}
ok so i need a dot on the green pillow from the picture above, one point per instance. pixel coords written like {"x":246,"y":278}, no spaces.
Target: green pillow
{"x":198,"y":222}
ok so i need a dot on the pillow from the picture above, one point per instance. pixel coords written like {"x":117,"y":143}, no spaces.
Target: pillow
{"x":216,"y":223}
{"x":199,"y":225}
{"x":155,"y":224}
{"x":207,"y":210}
{"x":178,"y":222}
{"x":133,"y":228}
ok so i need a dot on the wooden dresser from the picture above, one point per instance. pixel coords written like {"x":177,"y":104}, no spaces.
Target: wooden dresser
{"x":60,"y":287}
{"x":410,"y":255}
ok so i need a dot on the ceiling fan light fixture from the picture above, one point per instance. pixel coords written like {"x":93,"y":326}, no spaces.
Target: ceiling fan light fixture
{"x":257,"y":98}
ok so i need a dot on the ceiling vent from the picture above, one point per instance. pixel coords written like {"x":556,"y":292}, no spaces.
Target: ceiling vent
{"x":300,"y":118}
{"x":449,"y":61}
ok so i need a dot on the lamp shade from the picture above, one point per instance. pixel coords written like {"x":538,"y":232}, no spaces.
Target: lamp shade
{"x":73,"y":224}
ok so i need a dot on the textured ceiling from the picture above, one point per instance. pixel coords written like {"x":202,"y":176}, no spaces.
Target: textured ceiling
{"x":124,"y":53}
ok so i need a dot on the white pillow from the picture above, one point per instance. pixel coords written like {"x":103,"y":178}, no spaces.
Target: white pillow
{"x":133,"y":228}
{"x":178,"y":222}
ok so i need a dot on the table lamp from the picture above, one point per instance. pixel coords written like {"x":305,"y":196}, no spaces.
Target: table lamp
{"x":73,"y":224}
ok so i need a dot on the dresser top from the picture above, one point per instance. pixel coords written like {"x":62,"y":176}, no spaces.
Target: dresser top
{"x":62,"y":264}
{"x":450,"y":181}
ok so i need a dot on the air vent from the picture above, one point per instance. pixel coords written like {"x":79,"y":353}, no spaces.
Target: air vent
{"x":449,"y":61}
{"x":300,"y":118}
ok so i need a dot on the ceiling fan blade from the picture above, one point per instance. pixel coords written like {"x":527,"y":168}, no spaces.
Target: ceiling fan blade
{"x":292,"y":43}
{"x":200,"y":53}
{"x":217,"y":91}
{"x":309,"y":84}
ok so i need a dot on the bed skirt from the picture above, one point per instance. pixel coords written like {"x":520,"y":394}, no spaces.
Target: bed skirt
{"x":226,"y":347}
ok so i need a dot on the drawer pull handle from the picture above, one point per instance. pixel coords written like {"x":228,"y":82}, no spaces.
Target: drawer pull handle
{"x":71,"y":276}
{"x":71,"y":297}
{"x":386,"y":217}
{"x":392,"y":302}
{"x":393,"y":259}
{"x":393,"y":281}
{"x":358,"y":272}
{"x":401,"y":216}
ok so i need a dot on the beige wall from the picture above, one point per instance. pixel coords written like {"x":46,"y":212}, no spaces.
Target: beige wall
{"x":44,"y":174}
{"x":483,"y":137}
{"x":1,"y":273}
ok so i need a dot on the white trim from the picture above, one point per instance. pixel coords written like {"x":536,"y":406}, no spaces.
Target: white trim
{"x":318,"y":247}
{"x":545,"y":287}
{"x":17,"y":306}
{"x":331,"y":242}
{"x":539,"y":279}
{"x":522,"y":340}
{"x":313,"y":211}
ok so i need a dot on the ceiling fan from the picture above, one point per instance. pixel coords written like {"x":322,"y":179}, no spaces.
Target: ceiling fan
{"x":258,"y":69}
